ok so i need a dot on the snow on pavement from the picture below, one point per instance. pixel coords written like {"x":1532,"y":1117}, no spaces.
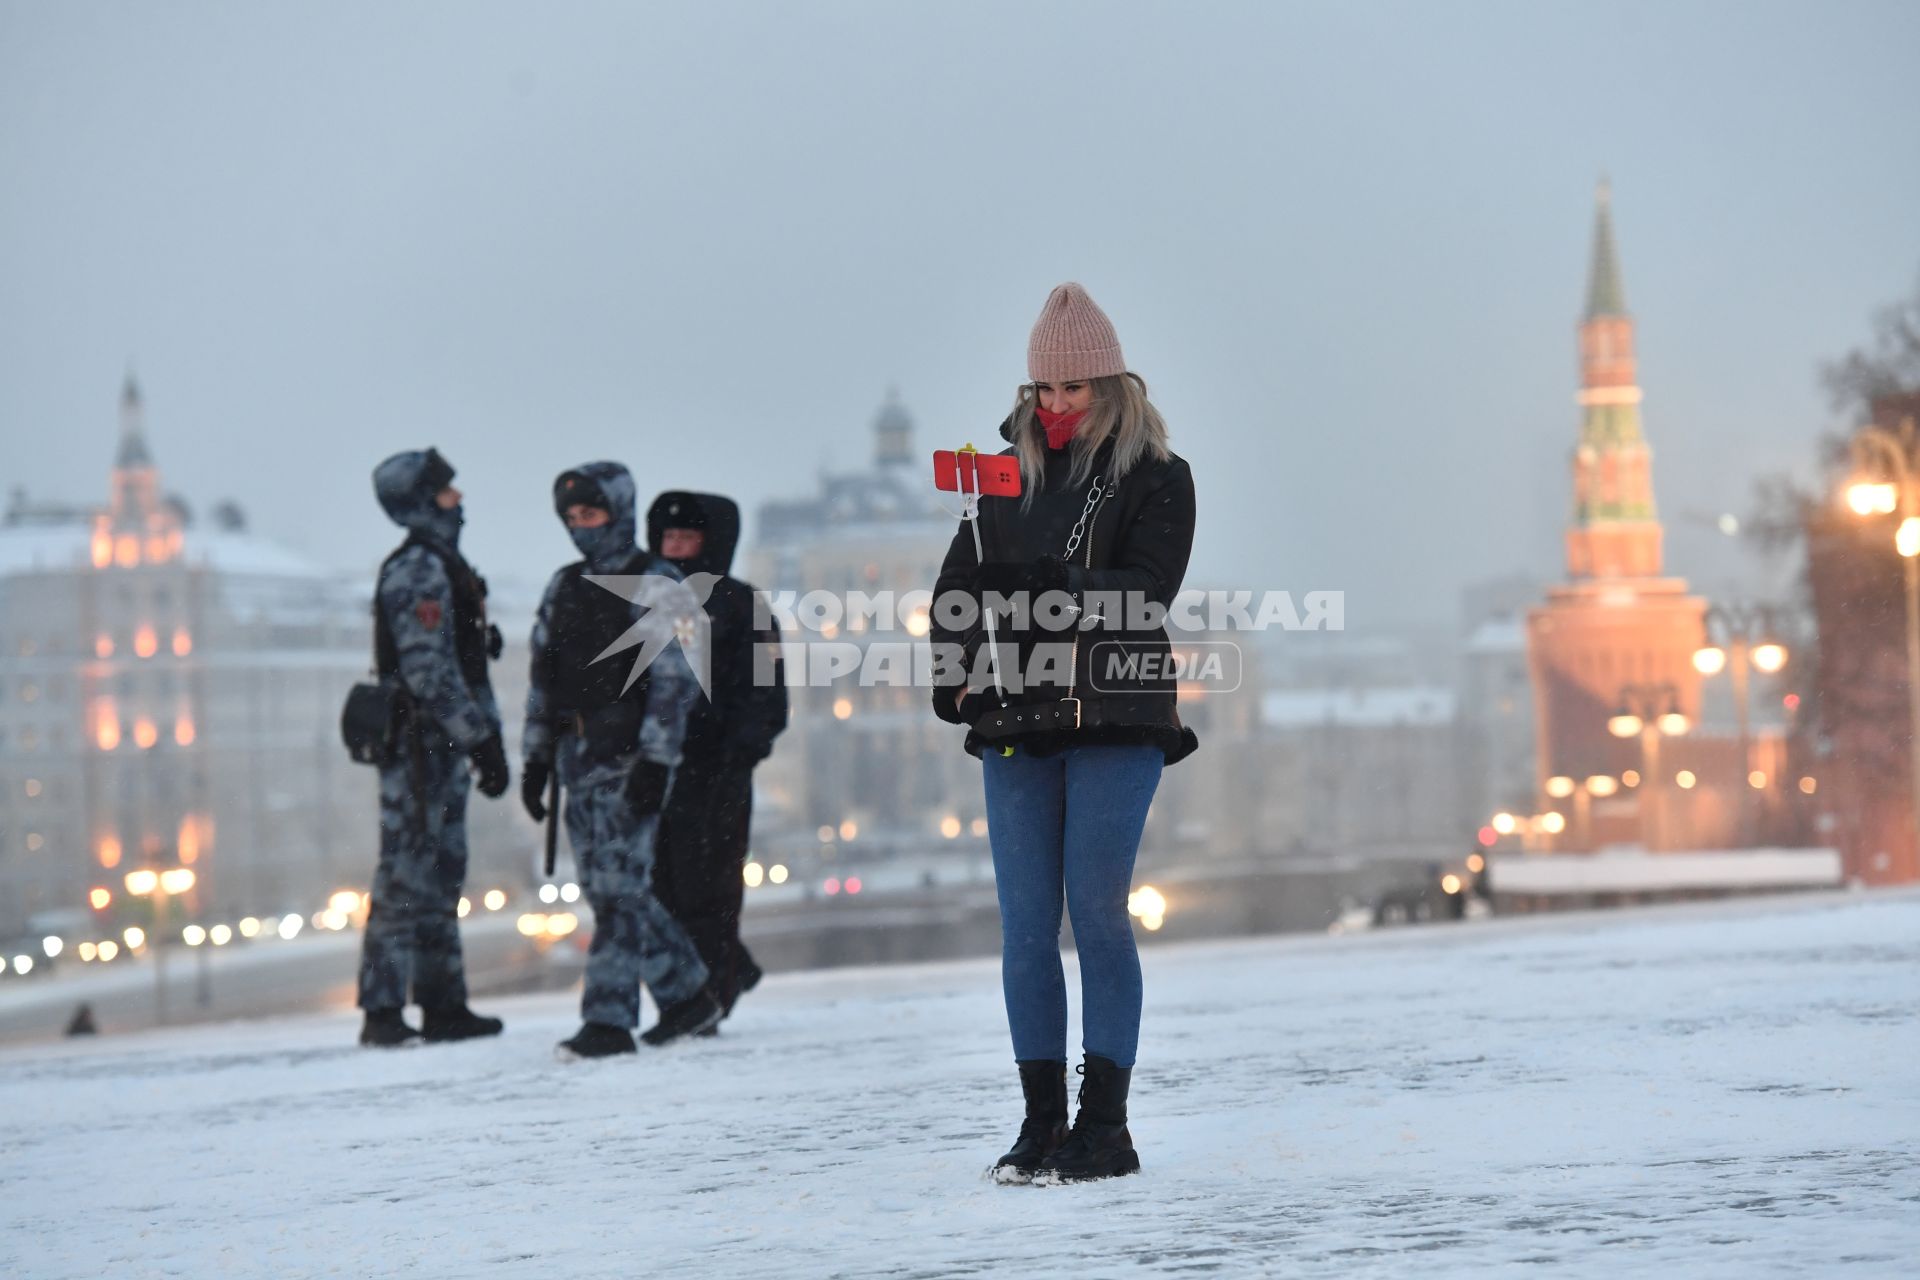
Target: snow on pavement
{"x":1701,"y":1091}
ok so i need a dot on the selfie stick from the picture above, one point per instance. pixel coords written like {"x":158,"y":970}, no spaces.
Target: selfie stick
{"x":970,"y":512}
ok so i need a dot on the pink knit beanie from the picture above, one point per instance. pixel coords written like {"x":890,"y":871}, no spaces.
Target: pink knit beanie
{"x":1073,"y":340}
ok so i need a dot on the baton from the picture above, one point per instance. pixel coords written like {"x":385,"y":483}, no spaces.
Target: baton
{"x":553,"y":821}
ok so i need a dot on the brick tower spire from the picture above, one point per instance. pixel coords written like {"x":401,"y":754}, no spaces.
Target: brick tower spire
{"x":1614,"y":533}
{"x":1618,"y":630}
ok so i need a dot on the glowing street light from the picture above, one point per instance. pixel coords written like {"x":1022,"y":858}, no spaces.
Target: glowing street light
{"x":1149,"y":905}
{"x":1896,"y":454}
{"x":1747,"y":634}
{"x":1649,"y":712}
{"x":1870,"y":499}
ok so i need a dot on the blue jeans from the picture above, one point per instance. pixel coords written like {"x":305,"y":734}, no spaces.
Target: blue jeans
{"x":1066,"y":827}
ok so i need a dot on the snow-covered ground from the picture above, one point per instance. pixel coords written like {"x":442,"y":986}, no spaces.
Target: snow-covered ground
{"x":1724,"y":1090}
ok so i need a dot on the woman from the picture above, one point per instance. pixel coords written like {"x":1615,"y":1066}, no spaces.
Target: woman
{"x":1075,"y":728}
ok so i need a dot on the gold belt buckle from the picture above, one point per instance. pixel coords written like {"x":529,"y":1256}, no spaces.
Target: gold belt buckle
{"x":1075,"y":704}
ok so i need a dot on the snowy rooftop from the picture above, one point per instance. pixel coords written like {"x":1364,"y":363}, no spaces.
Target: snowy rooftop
{"x":1504,"y":634}
{"x":27,"y":548}
{"x":1376,"y":708}
{"x":1718,"y":1090}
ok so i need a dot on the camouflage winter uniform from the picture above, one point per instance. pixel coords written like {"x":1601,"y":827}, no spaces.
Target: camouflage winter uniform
{"x":635,"y":939}
{"x":412,"y":933}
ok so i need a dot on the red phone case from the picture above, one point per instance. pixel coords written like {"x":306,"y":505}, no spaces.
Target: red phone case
{"x":999,"y":475}
{"x":964,"y":471}
{"x":946,"y":470}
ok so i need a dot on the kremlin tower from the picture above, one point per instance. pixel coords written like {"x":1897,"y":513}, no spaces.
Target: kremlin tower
{"x":1617,"y":635}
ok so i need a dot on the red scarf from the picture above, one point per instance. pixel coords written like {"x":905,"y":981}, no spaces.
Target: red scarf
{"x":1059,"y":426}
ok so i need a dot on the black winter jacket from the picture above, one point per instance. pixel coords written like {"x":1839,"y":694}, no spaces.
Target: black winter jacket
{"x":736,"y":729}
{"x":1136,"y":544}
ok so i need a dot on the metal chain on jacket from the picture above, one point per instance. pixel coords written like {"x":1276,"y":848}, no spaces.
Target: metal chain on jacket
{"x":1080,"y":525}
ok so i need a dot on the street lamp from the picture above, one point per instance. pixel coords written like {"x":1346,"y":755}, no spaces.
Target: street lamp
{"x":1583,"y":793}
{"x":1897,"y":454}
{"x":1747,"y":633}
{"x":160,"y":886}
{"x":1649,"y":712}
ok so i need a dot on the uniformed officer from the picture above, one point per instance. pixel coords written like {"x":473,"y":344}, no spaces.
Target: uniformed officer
{"x":702,"y":846}
{"x":431,"y":632}
{"x":614,"y":734}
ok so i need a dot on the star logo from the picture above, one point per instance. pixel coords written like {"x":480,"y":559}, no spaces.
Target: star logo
{"x":672,"y":611}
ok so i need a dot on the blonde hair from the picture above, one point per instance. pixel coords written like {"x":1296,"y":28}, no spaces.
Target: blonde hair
{"x":1120,"y":412}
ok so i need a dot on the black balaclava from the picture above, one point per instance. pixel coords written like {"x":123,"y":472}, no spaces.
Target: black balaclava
{"x":406,"y":485}
{"x":609,"y":486}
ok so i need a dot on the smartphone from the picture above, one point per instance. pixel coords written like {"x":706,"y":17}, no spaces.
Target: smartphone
{"x":965,"y":471}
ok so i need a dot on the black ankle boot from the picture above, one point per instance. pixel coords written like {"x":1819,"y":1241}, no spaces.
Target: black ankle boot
{"x":386,"y":1029}
{"x":750,"y":973}
{"x":689,"y":1017}
{"x":1099,"y":1145}
{"x":1045,"y":1127}
{"x":598,"y":1040}
{"x":456,"y":1022}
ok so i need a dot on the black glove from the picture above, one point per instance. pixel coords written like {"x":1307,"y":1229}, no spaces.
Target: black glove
{"x":534,"y":776}
{"x":946,"y":702}
{"x":490,"y":762}
{"x":955,"y":705}
{"x":1006,"y":577}
{"x":647,"y":788}
{"x":741,"y":760}
{"x":495,"y":643}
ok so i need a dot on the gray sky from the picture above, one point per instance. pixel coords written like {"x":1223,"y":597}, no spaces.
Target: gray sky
{"x":1345,"y":244}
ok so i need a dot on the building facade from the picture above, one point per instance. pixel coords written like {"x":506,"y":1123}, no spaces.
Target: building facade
{"x":170,"y":692}
{"x":864,"y":770}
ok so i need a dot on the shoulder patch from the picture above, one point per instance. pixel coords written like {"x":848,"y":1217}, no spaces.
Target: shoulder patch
{"x":428,"y":611}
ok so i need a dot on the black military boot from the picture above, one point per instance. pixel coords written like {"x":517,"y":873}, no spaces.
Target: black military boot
{"x":746,"y":976}
{"x":598,"y":1040}
{"x":386,"y":1029}
{"x":750,"y":972}
{"x":456,"y":1022}
{"x":1045,"y":1128}
{"x":690,"y":1017}
{"x":1099,"y":1145}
